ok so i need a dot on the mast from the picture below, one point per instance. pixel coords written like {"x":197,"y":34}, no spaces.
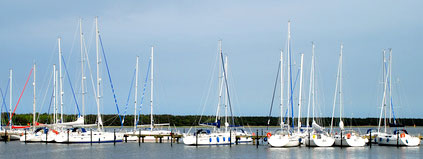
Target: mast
{"x":10,"y":100}
{"x":289,"y":73}
{"x":33,"y":106}
{"x":54,"y":93}
{"x":300,"y":96}
{"x":151,"y":92}
{"x":310,"y":88}
{"x":281,"y":81}
{"x":136,"y":96}
{"x":384,"y":97}
{"x":82,"y":69}
{"x":226,"y":98}
{"x":338,"y":83}
{"x":60,"y":81}
{"x":313,"y":92}
{"x":220,"y":76}
{"x":100,"y":122}
{"x":390,"y":86}
{"x":341,"y":104}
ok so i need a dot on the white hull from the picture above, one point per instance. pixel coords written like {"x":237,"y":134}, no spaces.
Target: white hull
{"x":209,"y":139}
{"x":279,"y":140}
{"x":351,"y":141}
{"x":87,"y":137}
{"x":31,"y":137}
{"x":393,"y":140}
{"x":319,"y":140}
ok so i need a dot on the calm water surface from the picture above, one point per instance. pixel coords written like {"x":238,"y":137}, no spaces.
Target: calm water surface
{"x":16,"y":149}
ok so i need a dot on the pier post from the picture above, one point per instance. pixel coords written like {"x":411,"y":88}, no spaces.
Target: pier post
{"x":308,"y":139}
{"x":46,"y":137}
{"x":397,"y":139}
{"x":171,"y":138}
{"x":139,"y":138}
{"x":68,"y":137}
{"x":341,"y":139}
{"x":25,"y":136}
{"x":230,"y":138}
{"x":196,"y":138}
{"x":91,"y":137}
{"x":257,"y":139}
{"x":114,"y":136}
{"x":160,"y":139}
{"x":126,"y":139}
{"x":370,"y":140}
{"x":5,"y":136}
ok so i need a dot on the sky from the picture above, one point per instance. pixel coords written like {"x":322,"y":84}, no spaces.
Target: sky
{"x":185,"y":37}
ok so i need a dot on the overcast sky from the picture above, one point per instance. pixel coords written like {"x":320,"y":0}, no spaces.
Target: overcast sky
{"x":185,"y":35}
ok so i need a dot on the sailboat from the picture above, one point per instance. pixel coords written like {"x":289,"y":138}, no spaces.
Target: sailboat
{"x":219,"y":135}
{"x":153,"y":128}
{"x":15,"y":130}
{"x":317,"y":136}
{"x":79,"y":134}
{"x":37,"y":132}
{"x":285,"y":136}
{"x":399,"y":137}
{"x":345,"y":137}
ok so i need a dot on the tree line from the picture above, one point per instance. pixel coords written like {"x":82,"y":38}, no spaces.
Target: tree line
{"x":193,"y":120}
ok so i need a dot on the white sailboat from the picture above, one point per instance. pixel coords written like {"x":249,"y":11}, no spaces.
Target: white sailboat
{"x":285,"y":137}
{"x":80,"y":135}
{"x":399,"y":137}
{"x":317,"y":136}
{"x":37,"y":133}
{"x":345,"y":137}
{"x":153,"y":129}
{"x":218,"y":136}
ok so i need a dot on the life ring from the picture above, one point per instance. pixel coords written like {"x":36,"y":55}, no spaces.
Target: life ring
{"x":254,"y":134}
{"x":269,"y":134}
{"x":402,"y":135}
{"x":348,"y":136}
{"x":265,"y":139}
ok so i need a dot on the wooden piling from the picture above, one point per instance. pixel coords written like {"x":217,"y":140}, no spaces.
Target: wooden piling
{"x":370,"y":140}
{"x":257,"y":139}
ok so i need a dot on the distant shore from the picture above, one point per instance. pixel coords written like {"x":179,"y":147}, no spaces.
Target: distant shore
{"x":193,"y":120}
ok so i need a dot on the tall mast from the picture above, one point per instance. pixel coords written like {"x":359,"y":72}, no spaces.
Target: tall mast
{"x":60,"y":81}
{"x":100,"y":122}
{"x":313,"y":92}
{"x":82,"y":68}
{"x":341,"y":103}
{"x":136,"y":96}
{"x":220,"y":76}
{"x":54,"y":93}
{"x":289,"y":72}
{"x":383,"y":107}
{"x":10,"y":100}
{"x":151,"y":92}
{"x":338,"y":83}
{"x":300,"y":96}
{"x":281,"y":81}
{"x":390,"y":86}
{"x":310,"y":91}
{"x":226,"y":98}
{"x":33,"y":106}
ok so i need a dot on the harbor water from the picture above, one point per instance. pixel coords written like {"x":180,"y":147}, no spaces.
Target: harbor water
{"x":16,"y":149}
